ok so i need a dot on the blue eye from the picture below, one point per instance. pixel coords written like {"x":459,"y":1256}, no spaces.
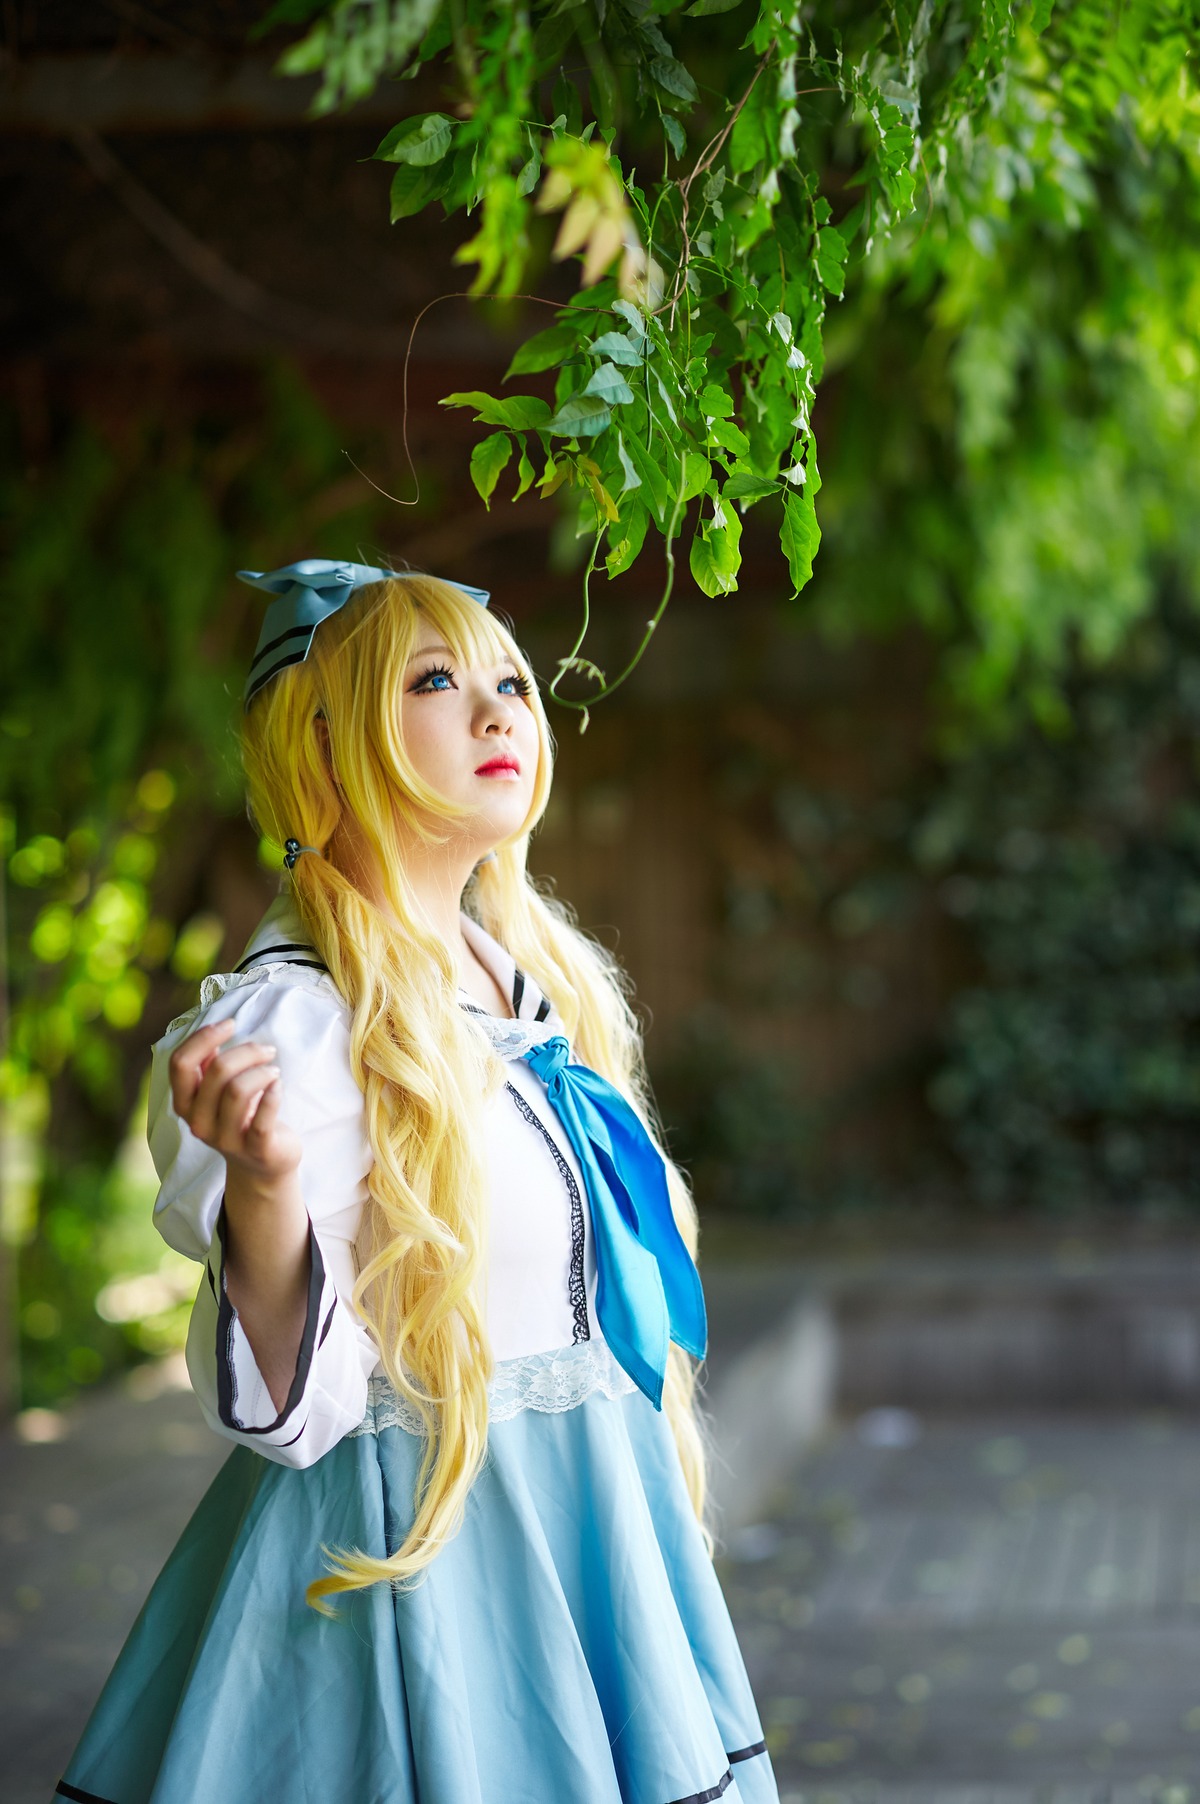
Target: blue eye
{"x":520,"y":684}
{"x":438,"y":678}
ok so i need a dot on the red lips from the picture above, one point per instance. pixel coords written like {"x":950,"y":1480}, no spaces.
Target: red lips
{"x":494,"y":764}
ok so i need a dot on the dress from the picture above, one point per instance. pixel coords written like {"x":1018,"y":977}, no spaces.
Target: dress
{"x":571,"y":1645}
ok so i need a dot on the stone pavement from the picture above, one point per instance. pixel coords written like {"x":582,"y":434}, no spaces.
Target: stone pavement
{"x":947,"y":1612}
{"x":980,"y":1612}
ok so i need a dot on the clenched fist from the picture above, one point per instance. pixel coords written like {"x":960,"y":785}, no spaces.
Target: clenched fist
{"x":229,"y":1095}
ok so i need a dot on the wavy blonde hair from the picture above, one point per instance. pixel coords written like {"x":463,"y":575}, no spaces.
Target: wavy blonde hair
{"x":323,"y":737}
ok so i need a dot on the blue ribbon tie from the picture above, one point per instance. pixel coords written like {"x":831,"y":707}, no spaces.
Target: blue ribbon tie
{"x":648,"y":1291}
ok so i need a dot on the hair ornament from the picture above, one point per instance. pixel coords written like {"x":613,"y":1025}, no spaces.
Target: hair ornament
{"x":306,"y":593}
{"x":292,"y":850}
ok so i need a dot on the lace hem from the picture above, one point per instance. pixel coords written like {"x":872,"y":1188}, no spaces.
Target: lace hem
{"x":550,"y":1383}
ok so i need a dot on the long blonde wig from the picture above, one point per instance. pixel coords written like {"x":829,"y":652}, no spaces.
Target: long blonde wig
{"x":324,"y":737}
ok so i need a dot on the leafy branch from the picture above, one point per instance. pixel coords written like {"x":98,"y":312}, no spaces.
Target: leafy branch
{"x":720,"y":172}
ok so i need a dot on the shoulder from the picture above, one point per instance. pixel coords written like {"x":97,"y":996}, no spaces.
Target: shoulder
{"x":279,"y":989}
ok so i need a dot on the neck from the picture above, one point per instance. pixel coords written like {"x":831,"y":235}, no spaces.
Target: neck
{"x":436,"y":876}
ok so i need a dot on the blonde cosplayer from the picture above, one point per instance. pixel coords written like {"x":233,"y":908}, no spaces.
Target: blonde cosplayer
{"x":323,"y":738}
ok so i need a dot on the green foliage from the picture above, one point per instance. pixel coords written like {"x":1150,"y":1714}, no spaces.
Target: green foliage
{"x":127,"y":642}
{"x":1019,"y":181}
{"x":1071,"y":1076}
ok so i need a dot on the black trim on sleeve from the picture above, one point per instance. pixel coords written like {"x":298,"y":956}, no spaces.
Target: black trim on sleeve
{"x":226,"y":1383}
{"x":543,"y":1009}
{"x":63,"y":1790}
{"x":518,"y":990}
{"x":328,"y":1323}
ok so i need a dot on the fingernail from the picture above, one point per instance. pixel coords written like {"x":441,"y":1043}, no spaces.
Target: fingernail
{"x":271,"y":1049}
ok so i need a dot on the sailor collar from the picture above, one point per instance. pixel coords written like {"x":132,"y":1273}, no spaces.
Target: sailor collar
{"x":279,"y":939}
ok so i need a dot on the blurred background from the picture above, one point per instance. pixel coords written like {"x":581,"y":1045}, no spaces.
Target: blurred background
{"x":906,"y":873}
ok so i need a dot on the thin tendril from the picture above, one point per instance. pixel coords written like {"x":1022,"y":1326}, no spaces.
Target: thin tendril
{"x":565,"y":664}
{"x":462,"y":294}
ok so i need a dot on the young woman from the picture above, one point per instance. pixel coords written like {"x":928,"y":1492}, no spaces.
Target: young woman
{"x":449,"y":1311}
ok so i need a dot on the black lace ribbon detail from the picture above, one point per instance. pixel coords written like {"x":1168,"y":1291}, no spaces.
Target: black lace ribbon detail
{"x":576,"y":1290}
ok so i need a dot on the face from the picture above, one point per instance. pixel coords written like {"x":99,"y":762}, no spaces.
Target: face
{"x":471,"y":735}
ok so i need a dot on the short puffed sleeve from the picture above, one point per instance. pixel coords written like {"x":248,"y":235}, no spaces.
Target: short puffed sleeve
{"x":301,"y":1014}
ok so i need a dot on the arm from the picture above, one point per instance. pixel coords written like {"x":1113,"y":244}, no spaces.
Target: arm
{"x":229,"y":1096}
{"x":262,"y":1151}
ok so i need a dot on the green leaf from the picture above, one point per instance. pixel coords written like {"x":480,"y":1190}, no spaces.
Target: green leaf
{"x":716,"y":557}
{"x":728,"y":436}
{"x":715,"y":403}
{"x":527,"y":175}
{"x":581,"y":417}
{"x":743,"y":486}
{"x":525,"y":474}
{"x":749,"y":142}
{"x":627,"y":538}
{"x":665,"y":392}
{"x":676,"y":136}
{"x":610,"y":385}
{"x":657,"y":493}
{"x":518,"y":413}
{"x":672,"y":76}
{"x":632,"y":479}
{"x":414,"y":188}
{"x":697,"y":471}
{"x":487,"y":462}
{"x":617,"y":348}
{"x":702,"y":7}
{"x":544,"y":351}
{"x":633,"y":314}
{"x":420,"y":141}
{"x":800,"y":536}
{"x":831,"y":259}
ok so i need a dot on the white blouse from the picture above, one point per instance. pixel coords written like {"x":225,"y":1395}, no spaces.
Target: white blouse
{"x":540,"y":1265}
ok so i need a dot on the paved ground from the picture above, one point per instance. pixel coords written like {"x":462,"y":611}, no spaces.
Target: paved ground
{"x":996,"y":1613}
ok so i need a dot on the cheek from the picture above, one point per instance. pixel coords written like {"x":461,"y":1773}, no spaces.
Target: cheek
{"x":527,"y":741}
{"x":423,"y":735}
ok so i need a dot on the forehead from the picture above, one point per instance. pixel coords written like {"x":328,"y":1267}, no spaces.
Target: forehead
{"x":430,"y":643}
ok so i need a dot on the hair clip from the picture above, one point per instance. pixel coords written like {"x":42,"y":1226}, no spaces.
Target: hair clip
{"x":292,"y":850}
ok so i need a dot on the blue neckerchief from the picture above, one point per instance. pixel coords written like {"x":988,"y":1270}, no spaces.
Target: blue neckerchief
{"x":648,"y":1289}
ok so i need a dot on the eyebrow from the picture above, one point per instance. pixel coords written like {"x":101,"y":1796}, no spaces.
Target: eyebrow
{"x":428,"y":650}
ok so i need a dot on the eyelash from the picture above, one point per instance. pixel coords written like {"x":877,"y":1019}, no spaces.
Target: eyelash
{"x":520,"y":683}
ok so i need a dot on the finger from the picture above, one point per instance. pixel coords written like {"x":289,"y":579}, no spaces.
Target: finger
{"x":224,"y":1065}
{"x":266,"y":1114}
{"x":187,"y":1063}
{"x":240,"y":1098}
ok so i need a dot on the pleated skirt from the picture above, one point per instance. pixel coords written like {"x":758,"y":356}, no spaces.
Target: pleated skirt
{"x":571,"y":1645}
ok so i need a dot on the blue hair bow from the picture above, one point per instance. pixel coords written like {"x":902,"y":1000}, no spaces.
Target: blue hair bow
{"x":305,"y":594}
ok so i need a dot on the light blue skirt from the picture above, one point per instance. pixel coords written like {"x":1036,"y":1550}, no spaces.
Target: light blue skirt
{"x":570,"y":1646}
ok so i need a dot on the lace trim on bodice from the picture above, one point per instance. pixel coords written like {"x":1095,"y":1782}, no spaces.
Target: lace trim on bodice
{"x":511,"y":1039}
{"x":550,"y":1383}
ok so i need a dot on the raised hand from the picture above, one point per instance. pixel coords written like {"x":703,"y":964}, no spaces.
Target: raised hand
{"x":230,"y":1096}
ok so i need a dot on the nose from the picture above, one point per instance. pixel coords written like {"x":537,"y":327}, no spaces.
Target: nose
{"x":494,"y":714}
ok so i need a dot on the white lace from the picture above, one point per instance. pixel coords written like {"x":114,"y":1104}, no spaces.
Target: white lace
{"x":513,"y":1039}
{"x":548,"y":1382}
